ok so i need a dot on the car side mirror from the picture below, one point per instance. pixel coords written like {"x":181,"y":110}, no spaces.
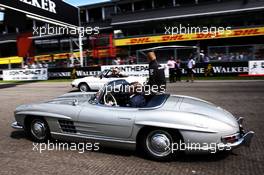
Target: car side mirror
{"x":75,"y":102}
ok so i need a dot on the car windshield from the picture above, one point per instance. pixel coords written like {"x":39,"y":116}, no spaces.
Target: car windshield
{"x":96,"y":97}
{"x":117,"y":89}
{"x":111,"y":86}
{"x":103,"y":73}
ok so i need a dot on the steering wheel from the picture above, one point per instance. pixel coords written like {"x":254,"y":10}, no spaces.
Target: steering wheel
{"x":109,"y":100}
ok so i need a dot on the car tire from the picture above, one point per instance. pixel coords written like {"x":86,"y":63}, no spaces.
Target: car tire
{"x":38,"y":130}
{"x":83,"y":87}
{"x":156,"y":144}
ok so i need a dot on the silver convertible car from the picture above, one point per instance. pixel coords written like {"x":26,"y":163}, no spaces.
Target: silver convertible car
{"x":165,"y":126}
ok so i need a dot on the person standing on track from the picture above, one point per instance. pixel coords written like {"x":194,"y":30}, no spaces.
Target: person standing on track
{"x":171,"y":65}
{"x":190,"y":69}
{"x":157,"y":80}
{"x":178,"y":70}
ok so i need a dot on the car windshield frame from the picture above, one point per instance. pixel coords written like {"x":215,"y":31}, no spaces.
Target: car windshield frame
{"x":104,"y":73}
{"x":155,"y":102}
{"x":100,"y":93}
{"x":95,"y":99}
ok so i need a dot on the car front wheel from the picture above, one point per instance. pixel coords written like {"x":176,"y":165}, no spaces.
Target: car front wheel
{"x":157,"y":144}
{"x":39,"y":130}
{"x":83,"y":87}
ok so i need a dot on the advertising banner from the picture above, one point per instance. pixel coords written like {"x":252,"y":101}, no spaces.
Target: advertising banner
{"x":56,"y":10}
{"x":189,"y":37}
{"x":72,"y":72}
{"x":25,"y":74}
{"x":256,"y":67}
{"x":134,"y":70}
{"x":201,"y":69}
{"x":11,"y":60}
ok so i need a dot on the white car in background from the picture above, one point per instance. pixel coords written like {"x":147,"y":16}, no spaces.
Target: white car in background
{"x":97,"y":82}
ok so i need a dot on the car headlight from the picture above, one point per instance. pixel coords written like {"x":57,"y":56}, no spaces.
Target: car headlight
{"x":74,"y":82}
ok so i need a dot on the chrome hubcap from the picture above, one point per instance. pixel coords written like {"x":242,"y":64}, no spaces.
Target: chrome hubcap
{"x":83,"y":88}
{"x":158,"y":143}
{"x":38,"y":129}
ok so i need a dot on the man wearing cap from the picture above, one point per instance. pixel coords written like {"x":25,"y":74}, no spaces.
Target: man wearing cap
{"x":157,"y":80}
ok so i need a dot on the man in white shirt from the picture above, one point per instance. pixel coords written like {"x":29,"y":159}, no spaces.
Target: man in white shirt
{"x":33,"y":66}
{"x":190,"y":69}
{"x":39,"y":65}
{"x":171,"y":65}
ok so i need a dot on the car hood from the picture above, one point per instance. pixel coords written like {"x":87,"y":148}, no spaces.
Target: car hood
{"x":89,"y":78}
{"x":201,"y":107}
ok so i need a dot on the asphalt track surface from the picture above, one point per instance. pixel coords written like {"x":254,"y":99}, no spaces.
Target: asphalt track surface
{"x":242,"y":98}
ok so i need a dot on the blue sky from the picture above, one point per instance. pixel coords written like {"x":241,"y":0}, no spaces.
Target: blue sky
{"x":74,"y":2}
{"x":84,"y":2}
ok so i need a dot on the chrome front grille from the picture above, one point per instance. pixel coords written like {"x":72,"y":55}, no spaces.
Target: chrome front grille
{"x":67,"y":126}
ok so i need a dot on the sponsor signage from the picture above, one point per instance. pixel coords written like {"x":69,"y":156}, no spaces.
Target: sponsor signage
{"x":134,"y":70}
{"x":11,"y":60}
{"x":256,"y":67}
{"x":43,"y":58}
{"x":189,"y":37}
{"x":25,"y":74}
{"x":56,"y":56}
{"x":47,"y":5}
{"x":72,"y":72}
{"x":201,"y":69}
{"x":220,"y":69}
{"x":56,"y":10}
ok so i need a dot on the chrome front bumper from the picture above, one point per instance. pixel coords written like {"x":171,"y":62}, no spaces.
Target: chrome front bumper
{"x":15,"y":125}
{"x":245,"y":138}
{"x":74,"y":85}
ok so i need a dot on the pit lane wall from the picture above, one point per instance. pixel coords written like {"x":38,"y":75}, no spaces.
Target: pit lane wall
{"x":201,"y":70}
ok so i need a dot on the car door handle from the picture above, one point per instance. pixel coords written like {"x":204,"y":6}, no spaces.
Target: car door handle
{"x":124,"y":118}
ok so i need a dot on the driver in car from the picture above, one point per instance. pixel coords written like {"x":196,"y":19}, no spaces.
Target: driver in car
{"x":115,"y":73}
{"x":137,"y":98}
